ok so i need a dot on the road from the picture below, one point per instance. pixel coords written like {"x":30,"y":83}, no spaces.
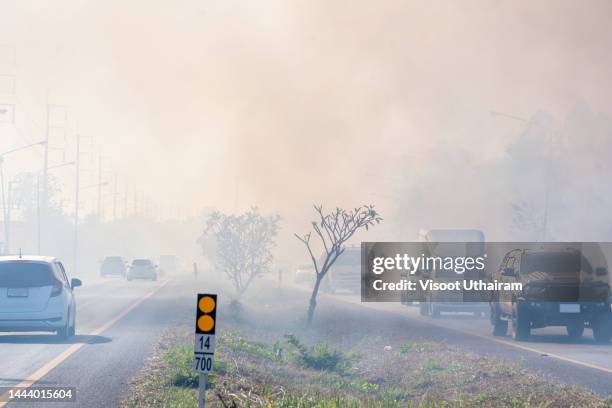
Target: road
{"x":118,"y":324}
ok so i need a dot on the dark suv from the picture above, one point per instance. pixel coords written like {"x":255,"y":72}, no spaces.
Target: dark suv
{"x":559,"y":288}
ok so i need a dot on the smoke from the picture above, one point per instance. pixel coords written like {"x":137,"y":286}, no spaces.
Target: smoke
{"x":283,"y":104}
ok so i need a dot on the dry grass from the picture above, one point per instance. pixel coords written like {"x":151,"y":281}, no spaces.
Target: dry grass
{"x":257,"y":367}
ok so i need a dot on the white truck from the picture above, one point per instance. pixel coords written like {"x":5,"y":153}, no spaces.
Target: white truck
{"x":435,"y":302}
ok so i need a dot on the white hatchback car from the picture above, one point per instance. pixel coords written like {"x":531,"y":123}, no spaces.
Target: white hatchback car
{"x":142,"y":269}
{"x":36,"y":295}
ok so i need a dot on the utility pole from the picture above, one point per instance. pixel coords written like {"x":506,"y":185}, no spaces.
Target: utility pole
{"x":42,"y":212}
{"x":76,"y":205}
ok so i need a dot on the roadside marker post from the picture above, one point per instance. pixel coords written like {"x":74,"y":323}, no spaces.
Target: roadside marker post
{"x":204,"y":348}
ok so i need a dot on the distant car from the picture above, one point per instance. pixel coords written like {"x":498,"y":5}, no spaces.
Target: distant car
{"x":142,"y":269}
{"x":112,"y":266}
{"x":36,"y":295}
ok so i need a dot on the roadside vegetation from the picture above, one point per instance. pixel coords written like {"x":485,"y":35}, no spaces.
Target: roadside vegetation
{"x":269,"y":361}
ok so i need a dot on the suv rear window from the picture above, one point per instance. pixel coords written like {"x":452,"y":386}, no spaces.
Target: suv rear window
{"x":141,"y":262}
{"x":25,"y":274}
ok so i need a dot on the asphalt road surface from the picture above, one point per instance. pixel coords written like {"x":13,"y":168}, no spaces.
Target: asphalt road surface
{"x":118,"y":324}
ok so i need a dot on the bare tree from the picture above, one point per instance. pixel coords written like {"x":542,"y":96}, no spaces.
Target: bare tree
{"x":243,"y":245}
{"x":333,"y":230}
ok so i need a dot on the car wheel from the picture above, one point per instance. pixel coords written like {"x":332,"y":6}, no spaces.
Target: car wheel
{"x":72,"y":329}
{"x":575,"y":330}
{"x":64,"y":332}
{"x":521,"y":325}
{"x":602,"y":329}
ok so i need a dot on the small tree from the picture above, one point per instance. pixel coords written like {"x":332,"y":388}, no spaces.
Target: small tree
{"x":243,"y":245}
{"x":333,"y":230}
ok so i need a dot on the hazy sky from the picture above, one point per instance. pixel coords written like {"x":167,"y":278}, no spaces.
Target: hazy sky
{"x":297,"y":102}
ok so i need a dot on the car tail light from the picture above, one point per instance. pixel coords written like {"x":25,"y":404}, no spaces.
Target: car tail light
{"x":57,"y":287}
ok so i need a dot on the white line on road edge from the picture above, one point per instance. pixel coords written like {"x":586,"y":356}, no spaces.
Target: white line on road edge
{"x":44,"y":370}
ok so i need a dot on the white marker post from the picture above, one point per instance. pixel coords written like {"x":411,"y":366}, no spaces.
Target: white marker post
{"x":204,"y":348}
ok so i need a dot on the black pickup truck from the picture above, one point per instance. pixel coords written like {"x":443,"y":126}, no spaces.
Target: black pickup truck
{"x":559,"y":288}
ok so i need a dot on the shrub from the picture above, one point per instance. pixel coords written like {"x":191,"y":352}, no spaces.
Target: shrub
{"x":320,"y":356}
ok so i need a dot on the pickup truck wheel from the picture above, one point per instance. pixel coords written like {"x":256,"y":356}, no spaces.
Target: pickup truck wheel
{"x":521,"y":325}
{"x":602,"y":329}
{"x":575,"y":330}
{"x":500,"y":327}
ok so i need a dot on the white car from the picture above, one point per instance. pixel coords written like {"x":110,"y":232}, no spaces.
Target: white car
{"x":36,"y":295}
{"x":142,"y":269}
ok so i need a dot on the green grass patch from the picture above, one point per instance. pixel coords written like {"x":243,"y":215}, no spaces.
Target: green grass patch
{"x":320,"y":356}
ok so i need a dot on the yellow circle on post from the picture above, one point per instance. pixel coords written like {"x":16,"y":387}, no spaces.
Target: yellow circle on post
{"x":206,"y":304}
{"x":206,"y":323}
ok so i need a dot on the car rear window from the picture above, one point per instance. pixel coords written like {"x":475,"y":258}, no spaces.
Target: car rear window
{"x":25,"y":274}
{"x":141,"y":262}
